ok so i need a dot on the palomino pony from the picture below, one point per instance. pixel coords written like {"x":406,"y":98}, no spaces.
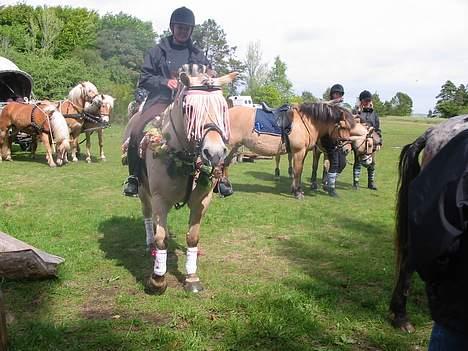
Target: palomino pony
{"x":35,"y":119}
{"x":181,"y":158}
{"x":431,"y":141}
{"x":104,"y":113}
{"x":309,"y":122}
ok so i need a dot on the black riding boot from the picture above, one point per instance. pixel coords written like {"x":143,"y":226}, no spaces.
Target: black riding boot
{"x":331,"y":184}
{"x":371,"y":178}
{"x":134,"y":165}
{"x":223,"y":187}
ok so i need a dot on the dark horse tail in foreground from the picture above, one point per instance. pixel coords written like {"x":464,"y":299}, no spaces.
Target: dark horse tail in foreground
{"x":432,"y":141}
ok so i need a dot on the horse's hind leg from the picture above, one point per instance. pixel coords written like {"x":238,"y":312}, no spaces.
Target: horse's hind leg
{"x":101,"y":145}
{"x":290,"y":168}
{"x":399,"y":297}
{"x":145,"y":197}
{"x":277,"y":170}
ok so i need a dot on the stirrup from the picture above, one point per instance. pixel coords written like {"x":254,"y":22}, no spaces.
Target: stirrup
{"x":131,"y":187}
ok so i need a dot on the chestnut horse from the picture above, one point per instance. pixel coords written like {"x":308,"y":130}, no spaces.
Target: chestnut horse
{"x":181,"y":160}
{"x":309,"y":122}
{"x":431,"y":141}
{"x":35,"y":119}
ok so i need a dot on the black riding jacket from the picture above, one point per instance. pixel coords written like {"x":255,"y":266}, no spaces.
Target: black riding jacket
{"x":159,"y":66}
{"x":371,"y":118}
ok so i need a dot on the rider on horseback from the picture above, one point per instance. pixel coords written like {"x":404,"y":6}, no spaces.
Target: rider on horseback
{"x":336,"y":156}
{"x":158,"y":77}
{"x":366,"y":113}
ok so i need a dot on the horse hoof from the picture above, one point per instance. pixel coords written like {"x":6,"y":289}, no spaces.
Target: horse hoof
{"x":193,"y":285}
{"x":75,"y":160}
{"x":88,"y":160}
{"x":404,"y":325}
{"x":53,"y":165}
{"x":156,"y":285}
{"x":299,"y":195}
{"x":103,"y":159}
{"x":276,"y":178}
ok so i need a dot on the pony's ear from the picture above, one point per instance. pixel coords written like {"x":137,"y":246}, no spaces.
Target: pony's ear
{"x":185,"y":79}
{"x":343,"y":124}
{"x":371,"y":130}
{"x":228,"y":78}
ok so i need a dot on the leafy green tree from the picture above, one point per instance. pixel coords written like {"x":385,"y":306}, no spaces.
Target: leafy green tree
{"x":267,"y":93}
{"x":308,"y":97}
{"x":379,"y":106}
{"x":450,"y":100}
{"x":48,"y":27}
{"x":326,"y":94}
{"x":278,"y":78}
{"x":256,"y":70}
{"x":401,"y":104}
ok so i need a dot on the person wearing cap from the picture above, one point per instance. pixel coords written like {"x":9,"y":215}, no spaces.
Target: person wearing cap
{"x":336,"y":156}
{"x":159,"y":78}
{"x":365,"y":110}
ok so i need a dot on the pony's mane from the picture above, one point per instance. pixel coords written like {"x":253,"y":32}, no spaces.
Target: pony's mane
{"x":193,"y":69}
{"x":76,"y":93}
{"x":326,"y":112}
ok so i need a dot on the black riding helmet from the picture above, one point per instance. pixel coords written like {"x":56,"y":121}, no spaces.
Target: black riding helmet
{"x":337,"y":88}
{"x":365,"y":95}
{"x":182,"y":15}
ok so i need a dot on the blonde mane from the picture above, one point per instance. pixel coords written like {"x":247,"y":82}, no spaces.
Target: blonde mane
{"x":82,"y":93}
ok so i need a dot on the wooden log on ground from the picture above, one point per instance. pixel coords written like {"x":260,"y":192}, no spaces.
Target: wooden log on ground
{"x":19,"y":260}
{"x":3,"y":329}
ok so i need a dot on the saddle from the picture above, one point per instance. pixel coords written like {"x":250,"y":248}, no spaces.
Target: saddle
{"x":270,"y":121}
{"x":275,"y":111}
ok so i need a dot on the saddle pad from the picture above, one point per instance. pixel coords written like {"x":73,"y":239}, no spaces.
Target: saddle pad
{"x":267,"y":123}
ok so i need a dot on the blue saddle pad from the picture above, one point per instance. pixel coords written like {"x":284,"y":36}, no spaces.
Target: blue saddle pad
{"x":267,"y":123}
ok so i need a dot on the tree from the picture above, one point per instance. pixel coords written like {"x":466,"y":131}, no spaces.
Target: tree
{"x":401,"y":104}
{"x":48,"y":28}
{"x":125,"y":38}
{"x":308,"y":97}
{"x":379,"y":106}
{"x":326,"y":94}
{"x":256,"y":70}
{"x":450,"y":100}
{"x":267,"y":93}
{"x":278,"y":78}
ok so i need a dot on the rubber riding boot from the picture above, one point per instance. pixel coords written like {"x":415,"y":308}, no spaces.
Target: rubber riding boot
{"x":224,"y":187}
{"x":331,"y":181}
{"x":332,"y":192}
{"x":131,"y":186}
{"x":371,"y":185}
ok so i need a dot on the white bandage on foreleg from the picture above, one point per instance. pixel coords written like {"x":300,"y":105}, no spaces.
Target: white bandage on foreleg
{"x":149,"y":231}
{"x":191,"y":264}
{"x":160,"y":262}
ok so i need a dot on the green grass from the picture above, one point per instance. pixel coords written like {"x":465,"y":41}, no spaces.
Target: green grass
{"x":280,"y":274}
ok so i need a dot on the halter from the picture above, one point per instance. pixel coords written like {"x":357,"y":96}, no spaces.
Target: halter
{"x":194,"y":103}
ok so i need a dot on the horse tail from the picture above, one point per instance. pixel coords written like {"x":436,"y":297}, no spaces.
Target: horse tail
{"x":408,"y":169}
{"x":59,"y":127}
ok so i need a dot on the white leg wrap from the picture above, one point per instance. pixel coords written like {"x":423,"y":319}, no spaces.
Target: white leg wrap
{"x":160,"y":262}
{"x":191,"y":264}
{"x":149,"y":231}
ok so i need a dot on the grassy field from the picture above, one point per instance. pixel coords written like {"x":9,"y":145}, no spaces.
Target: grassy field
{"x":279,"y":274}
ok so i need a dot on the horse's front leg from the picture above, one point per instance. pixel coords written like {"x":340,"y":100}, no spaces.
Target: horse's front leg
{"x":298,"y":165}
{"x":400,"y":294}
{"x":101,"y":147}
{"x":74,"y":144}
{"x":88,"y":147}
{"x":315,"y":162}
{"x":49,"y":157}
{"x":157,"y":283}
{"x":33,"y":146}
{"x":198,"y":205}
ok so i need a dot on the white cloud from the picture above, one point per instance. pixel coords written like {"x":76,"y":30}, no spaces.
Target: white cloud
{"x":384,"y":46}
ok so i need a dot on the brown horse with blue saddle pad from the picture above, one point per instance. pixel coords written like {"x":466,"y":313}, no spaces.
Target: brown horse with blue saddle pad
{"x":298,"y":129}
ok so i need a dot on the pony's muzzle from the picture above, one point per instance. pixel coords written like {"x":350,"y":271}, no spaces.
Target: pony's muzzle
{"x":214,"y":156}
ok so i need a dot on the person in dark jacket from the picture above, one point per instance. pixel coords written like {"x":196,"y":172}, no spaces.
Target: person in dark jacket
{"x":336,"y":156}
{"x":159,"y":77}
{"x":438,"y":241}
{"x":367,"y":115}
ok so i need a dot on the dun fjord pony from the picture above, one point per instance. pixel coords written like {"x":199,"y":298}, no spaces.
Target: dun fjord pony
{"x":180,"y":161}
{"x":90,"y":126}
{"x":431,"y":141}
{"x":35,"y":119}
{"x":309,"y":122}
{"x":363,"y":140}
{"x":83,"y":105}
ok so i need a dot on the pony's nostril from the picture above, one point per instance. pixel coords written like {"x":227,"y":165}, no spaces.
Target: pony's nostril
{"x":225,"y":151}
{"x":207,"y":154}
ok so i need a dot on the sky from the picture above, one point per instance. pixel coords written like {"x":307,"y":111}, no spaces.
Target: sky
{"x":412,"y":46}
